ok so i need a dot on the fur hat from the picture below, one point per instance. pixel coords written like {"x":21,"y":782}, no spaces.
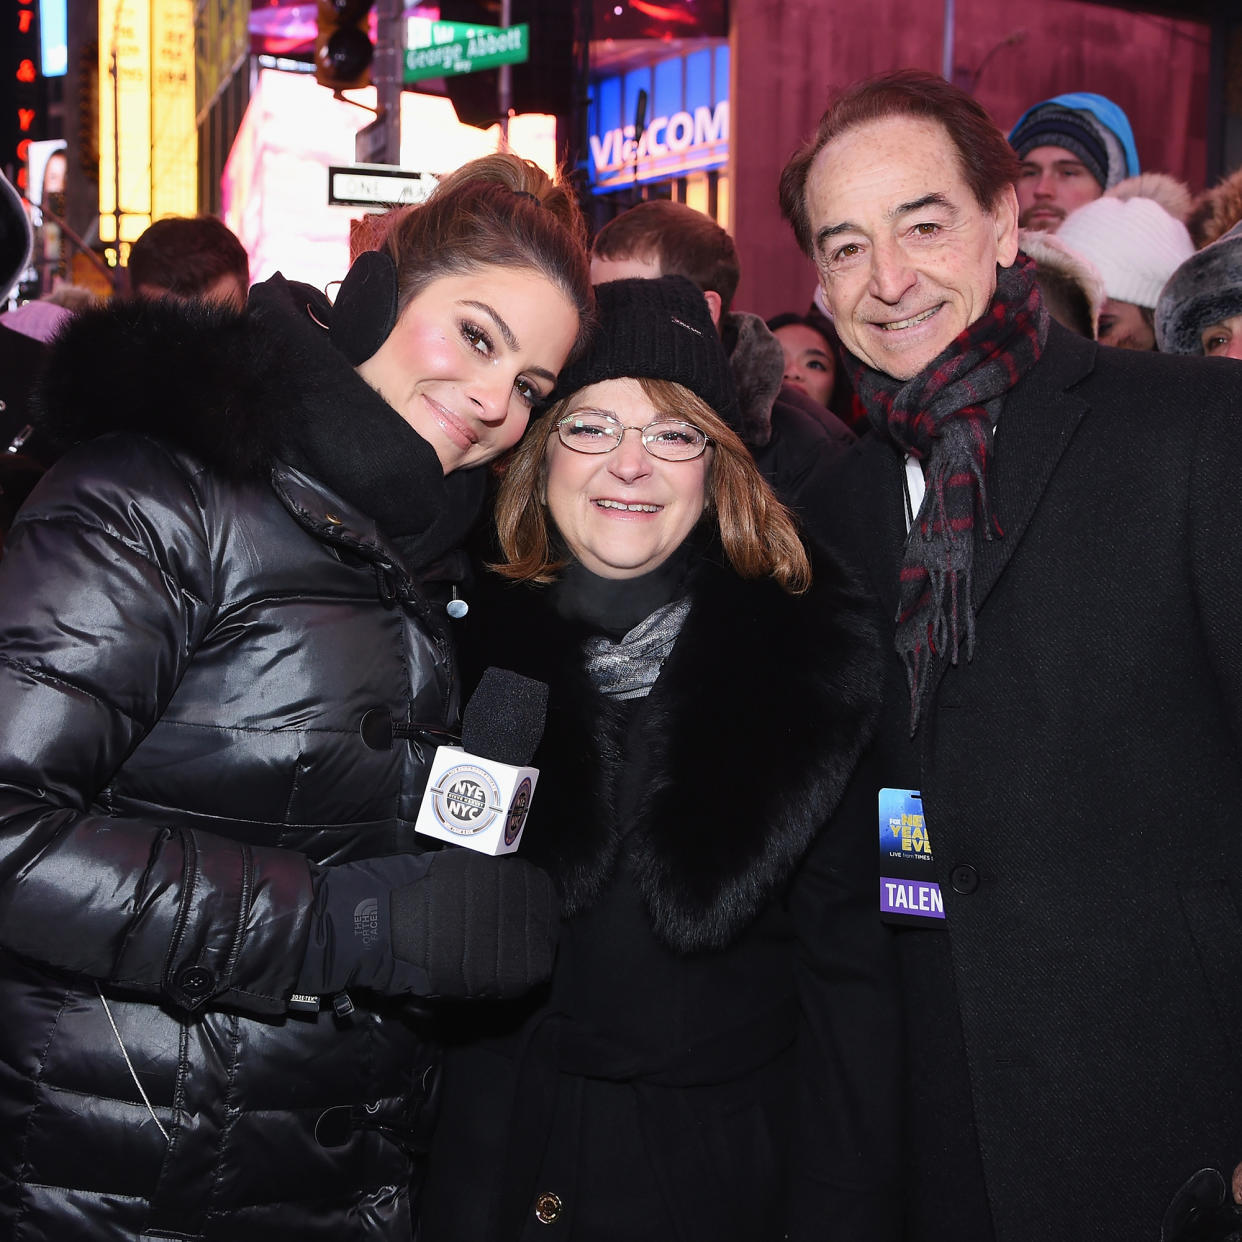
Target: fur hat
{"x":1133,"y":242}
{"x":1216,"y":211}
{"x":16,"y":238}
{"x":1072,"y":289}
{"x":1090,"y":126}
{"x":656,"y":329}
{"x":1173,"y":195}
{"x":1206,"y":289}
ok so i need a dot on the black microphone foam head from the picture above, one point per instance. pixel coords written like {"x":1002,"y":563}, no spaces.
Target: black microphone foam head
{"x":505,"y":717}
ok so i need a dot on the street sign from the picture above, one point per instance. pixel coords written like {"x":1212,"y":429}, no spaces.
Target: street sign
{"x":427,"y":32}
{"x":377,"y":185}
{"x":371,"y":142}
{"x":468,"y":49}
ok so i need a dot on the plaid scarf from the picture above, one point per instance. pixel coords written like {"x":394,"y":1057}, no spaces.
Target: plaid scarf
{"x":944,"y":417}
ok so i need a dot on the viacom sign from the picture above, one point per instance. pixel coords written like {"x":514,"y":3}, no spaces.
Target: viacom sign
{"x":688,"y":127}
{"x":670,"y":146}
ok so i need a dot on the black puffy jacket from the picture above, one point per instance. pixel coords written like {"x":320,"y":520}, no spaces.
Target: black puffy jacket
{"x":187,"y":651}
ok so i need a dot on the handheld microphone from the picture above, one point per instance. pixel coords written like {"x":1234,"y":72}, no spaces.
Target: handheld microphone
{"x":478,"y":793}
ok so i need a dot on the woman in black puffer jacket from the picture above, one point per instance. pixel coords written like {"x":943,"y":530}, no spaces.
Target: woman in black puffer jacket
{"x":224,"y":663}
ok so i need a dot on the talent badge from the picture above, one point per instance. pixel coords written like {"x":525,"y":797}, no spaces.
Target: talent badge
{"x":908,"y":892}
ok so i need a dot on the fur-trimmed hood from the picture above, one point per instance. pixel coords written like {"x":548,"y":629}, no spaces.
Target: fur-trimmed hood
{"x":1217,"y":210}
{"x":758,"y":363}
{"x":1173,"y":195}
{"x":207,"y":379}
{"x":748,"y":739}
{"x":1072,"y":287}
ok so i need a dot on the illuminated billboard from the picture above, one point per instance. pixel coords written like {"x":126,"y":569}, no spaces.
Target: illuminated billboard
{"x":53,"y":37}
{"x":664,"y":120}
{"x":148,"y":143}
{"x":276,"y":189}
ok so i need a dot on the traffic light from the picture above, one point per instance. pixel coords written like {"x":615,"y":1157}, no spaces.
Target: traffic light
{"x":343,"y":47}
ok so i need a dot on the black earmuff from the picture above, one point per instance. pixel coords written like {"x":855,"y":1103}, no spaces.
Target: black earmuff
{"x":365,"y":310}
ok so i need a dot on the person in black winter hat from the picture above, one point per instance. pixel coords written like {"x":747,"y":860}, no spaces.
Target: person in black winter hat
{"x":225,"y":663}
{"x":711,"y":684}
{"x":661,"y":330}
{"x":795,"y":442}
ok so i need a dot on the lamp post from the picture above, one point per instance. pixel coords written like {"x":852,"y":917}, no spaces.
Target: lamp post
{"x":390,"y":43}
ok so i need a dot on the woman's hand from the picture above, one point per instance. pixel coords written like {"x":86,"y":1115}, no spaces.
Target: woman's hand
{"x":445,"y":923}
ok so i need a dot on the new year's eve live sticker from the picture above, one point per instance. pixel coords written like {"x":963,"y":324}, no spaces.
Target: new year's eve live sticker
{"x":908,"y":893}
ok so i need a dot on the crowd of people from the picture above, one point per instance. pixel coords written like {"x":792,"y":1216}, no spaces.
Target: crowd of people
{"x":880,"y":883}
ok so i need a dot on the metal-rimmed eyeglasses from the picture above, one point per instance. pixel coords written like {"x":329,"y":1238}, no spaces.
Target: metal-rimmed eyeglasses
{"x":594,"y":431}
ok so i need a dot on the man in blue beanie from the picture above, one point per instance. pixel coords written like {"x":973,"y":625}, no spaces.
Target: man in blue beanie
{"x":1073,"y":148}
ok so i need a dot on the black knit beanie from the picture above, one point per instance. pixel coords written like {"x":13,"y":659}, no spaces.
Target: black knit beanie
{"x":656,"y":329}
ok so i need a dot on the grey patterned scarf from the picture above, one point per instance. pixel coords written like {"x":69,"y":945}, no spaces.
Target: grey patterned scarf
{"x":628,"y":669}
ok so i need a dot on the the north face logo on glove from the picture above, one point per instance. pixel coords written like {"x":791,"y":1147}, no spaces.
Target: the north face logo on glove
{"x":366,"y":921}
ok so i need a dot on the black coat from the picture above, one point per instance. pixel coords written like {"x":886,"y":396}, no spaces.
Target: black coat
{"x":1075,"y":1034}
{"x":191,"y":632}
{"x":795,"y":442}
{"x":651,"y":1089}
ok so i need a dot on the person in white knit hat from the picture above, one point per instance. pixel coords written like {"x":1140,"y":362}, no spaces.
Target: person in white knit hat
{"x":1136,"y":245}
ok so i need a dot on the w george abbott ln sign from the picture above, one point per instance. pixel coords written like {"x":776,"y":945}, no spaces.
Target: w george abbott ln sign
{"x":444,"y":49}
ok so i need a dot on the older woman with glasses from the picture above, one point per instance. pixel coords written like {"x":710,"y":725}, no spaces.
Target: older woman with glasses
{"x":711,"y":687}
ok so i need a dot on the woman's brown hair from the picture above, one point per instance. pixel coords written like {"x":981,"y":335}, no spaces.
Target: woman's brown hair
{"x":501,"y":211}
{"x":756,"y":531}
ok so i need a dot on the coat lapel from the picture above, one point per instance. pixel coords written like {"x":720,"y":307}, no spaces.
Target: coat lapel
{"x":1037,"y":422}
{"x":880,"y":493}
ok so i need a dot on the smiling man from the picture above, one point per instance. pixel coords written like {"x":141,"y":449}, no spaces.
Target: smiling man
{"x":1054,"y":536}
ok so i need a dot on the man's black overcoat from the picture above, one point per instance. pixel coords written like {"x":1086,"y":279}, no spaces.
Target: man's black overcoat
{"x":1074,"y":1036}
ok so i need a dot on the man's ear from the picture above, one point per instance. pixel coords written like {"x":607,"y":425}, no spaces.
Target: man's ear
{"x":713,"y":305}
{"x":1005,"y":216}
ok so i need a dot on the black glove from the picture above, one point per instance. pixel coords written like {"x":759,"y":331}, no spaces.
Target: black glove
{"x":445,"y":923}
{"x":1203,"y":1210}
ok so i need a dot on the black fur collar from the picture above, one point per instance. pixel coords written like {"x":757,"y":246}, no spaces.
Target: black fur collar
{"x":244,"y":391}
{"x":210,"y":380}
{"x":749,"y":737}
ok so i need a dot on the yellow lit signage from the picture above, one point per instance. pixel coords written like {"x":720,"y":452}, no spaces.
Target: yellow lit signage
{"x":174,"y":134}
{"x":148,"y":144}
